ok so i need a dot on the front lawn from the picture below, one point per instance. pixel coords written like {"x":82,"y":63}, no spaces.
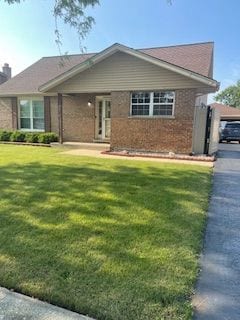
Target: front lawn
{"x":114,"y":239}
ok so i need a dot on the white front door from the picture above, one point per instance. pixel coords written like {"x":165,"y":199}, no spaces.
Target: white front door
{"x":104,"y":118}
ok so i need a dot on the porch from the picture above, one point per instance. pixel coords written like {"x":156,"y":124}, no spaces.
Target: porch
{"x":84,"y":118}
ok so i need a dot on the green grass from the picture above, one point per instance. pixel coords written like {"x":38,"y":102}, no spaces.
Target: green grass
{"x":114,"y":239}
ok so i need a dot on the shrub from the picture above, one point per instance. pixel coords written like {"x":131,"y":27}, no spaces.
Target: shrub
{"x":18,"y":136}
{"x":47,"y":137}
{"x":32,"y":137}
{"x":5,"y":135}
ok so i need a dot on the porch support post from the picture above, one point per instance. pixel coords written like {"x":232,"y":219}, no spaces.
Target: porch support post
{"x":14,"y":103}
{"x":60,"y":117}
{"x":47,"y":114}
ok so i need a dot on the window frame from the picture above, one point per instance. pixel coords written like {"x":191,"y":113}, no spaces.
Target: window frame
{"x":151,"y":104}
{"x":30,"y":99}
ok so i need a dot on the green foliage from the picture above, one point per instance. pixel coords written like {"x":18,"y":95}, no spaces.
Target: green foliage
{"x":32,"y":137}
{"x":5,"y":135}
{"x":18,"y":136}
{"x":230,"y":96}
{"x":47,"y":137}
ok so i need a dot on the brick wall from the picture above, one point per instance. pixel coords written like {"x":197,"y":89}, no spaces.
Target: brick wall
{"x":6,"y":120}
{"x":78,"y":118}
{"x":153,"y":134}
{"x":149,"y":134}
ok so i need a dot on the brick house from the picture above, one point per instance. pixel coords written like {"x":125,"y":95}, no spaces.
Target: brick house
{"x":136,"y":99}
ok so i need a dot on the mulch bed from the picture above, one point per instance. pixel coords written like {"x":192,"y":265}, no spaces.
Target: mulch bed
{"x":161,"y":155}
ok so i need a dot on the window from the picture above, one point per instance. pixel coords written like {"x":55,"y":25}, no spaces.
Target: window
{"x":140,"y":103}
{"x":163,"y":103}
{"x":152,"y":103}
{"x":31,"y":115}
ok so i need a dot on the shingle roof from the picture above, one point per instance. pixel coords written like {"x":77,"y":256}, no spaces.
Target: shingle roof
{"x":29,"y":80}
{"x":226,"y":112}
{"x":193,"y":57}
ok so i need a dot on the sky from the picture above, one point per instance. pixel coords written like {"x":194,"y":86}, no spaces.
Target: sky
{"x":27,"y":30}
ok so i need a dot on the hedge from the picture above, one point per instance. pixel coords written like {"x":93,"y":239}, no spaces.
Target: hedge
{"x":30,"y":137}
{"x":18,"y":136}
{"x":5,"y":135}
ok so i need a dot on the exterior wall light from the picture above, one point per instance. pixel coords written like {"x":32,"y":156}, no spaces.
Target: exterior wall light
{"x":89,"y":103}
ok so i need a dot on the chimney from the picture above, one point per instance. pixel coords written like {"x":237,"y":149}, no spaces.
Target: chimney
{"x":7,"y":71}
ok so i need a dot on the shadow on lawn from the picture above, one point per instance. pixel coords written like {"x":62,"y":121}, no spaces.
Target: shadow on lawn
{"x":104,"y":242}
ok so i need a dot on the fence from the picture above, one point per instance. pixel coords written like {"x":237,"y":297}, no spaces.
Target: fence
{"x":206,"y":130}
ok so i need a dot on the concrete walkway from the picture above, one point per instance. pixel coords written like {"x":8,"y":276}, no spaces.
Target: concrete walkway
{"x":14,"y":306}
{"x":95,"y":149}
{"x":218,"y":289}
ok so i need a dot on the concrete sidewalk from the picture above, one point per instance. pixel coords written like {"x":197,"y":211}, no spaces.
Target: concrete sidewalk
{"x":15,"y":306}
{"x":218,"y":289}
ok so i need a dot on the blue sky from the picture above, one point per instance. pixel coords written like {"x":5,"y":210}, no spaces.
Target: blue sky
{"x":27,"y":30}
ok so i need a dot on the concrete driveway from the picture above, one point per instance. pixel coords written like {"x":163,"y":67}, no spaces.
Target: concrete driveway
{"x":218,"y":289}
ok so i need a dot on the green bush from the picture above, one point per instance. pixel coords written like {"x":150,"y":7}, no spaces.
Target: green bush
{"x":32,"y":137}
{"x":18,"y":136}
{"x":47,"y":137}
{"x":5,"y":135}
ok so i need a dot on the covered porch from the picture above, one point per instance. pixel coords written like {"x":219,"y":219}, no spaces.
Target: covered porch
{"x":84,"y":118}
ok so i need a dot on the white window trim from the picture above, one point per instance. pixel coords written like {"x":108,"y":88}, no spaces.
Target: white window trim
{"x":31,"y":114}
{"x":151,"y":105}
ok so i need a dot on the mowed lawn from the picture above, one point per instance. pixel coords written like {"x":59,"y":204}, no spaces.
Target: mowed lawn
{"x":114,"y":239}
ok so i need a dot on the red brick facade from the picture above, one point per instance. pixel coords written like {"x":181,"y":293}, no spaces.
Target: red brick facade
{"x":6,"y":114}
{"x":78,"y":118}
{"x":130,"y":133}
{"x":153,"y":134}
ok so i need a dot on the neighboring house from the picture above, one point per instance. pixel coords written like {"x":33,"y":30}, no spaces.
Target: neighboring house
{"x":136,"y":99}
{"x":227,"y":113}
{"x":6,"y":73}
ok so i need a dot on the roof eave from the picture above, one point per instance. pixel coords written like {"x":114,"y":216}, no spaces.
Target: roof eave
{"x":118,"y":47}
{"x":19,"y":94}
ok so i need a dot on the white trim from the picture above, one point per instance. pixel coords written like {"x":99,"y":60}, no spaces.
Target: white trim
{"x":30,"y":99}
{"x":118,"y":47}
{"x":151,"y":117}
{"x":103,"y":99}
{"x":151,"y":105}
{"x":31,"y":130}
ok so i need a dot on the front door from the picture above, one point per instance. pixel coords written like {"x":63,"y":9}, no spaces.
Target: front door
{"x":104,"y":118}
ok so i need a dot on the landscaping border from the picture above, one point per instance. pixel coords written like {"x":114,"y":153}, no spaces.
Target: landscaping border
{"x":202,"y":158}
{"x":26,"y":143}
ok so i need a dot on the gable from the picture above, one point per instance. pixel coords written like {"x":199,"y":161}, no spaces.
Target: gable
{"x":122,"y":71}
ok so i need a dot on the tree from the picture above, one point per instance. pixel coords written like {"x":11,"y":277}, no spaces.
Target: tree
{"x":230,"y":96}
{"x":72,"y":12}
